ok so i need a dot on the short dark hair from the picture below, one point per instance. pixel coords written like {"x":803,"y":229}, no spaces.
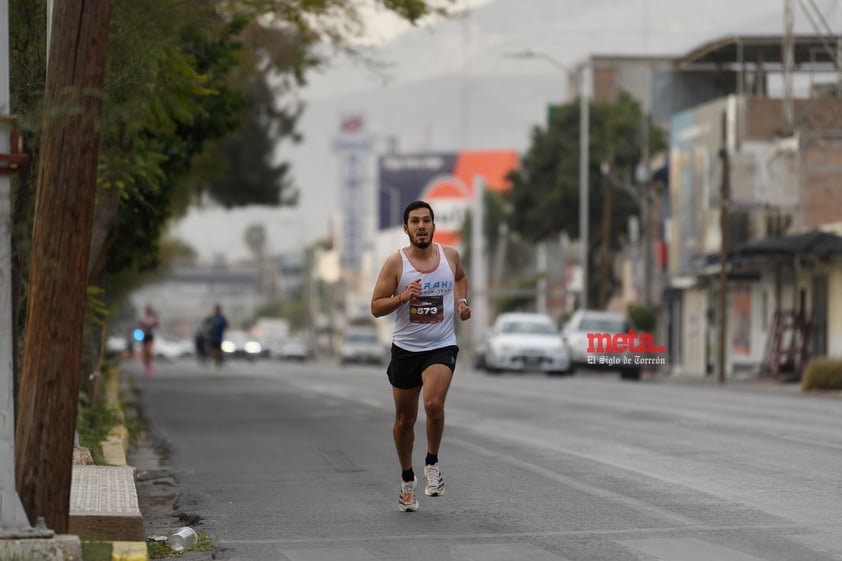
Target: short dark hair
{"x":416,"y":205}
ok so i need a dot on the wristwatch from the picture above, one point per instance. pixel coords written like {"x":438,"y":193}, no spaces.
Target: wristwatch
{"x":465,"y":300}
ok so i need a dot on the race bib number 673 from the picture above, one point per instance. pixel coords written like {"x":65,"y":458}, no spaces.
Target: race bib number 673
{"x":426,"y":309}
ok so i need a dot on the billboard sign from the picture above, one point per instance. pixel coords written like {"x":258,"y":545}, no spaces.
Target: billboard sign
{"x":443,"y":179}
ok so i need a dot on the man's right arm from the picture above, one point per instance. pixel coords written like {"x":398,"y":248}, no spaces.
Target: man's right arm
{"x":384,"y":301}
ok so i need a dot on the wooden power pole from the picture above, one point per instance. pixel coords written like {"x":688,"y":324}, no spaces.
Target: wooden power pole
{"x":58,"y":274}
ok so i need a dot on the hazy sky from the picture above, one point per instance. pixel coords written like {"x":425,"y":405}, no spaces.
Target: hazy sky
{"x":451,"y":86}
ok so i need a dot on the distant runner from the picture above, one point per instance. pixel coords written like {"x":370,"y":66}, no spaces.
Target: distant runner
{"x":148,"y":324}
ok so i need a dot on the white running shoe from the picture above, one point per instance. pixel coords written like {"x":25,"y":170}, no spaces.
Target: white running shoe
{"x":407,"y":499}
{"x":435,"y":482}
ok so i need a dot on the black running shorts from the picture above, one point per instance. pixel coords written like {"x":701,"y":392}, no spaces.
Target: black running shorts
{"x":405,"y":369}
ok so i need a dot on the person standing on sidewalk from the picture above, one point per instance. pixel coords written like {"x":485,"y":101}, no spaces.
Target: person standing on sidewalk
{"x":425,"y":285}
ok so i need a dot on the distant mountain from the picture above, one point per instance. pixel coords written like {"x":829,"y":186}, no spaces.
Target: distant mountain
{"x":452,"y":86}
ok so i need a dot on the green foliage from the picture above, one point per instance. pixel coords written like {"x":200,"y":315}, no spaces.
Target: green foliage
{"x":95,"y":309}
{"x":96,"y":551}
{"x":162,"y":550}
{"x":643,"y":316}
{"x":545,"y":193}
{"x":159,"y":113}
{"x":332,"y":22}
{"x":822,"y":374}
{"x":93,"y":421}
{"x":245,"y":171}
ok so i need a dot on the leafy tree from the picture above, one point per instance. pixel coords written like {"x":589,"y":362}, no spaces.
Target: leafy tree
{"x":545,"y":195}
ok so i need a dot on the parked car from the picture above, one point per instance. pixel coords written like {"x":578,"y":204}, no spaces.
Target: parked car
{"x":594,"y":322}
{"x":295,"y":348}
{"x":362,"y":346}
{"x":523,"y":341}
{"x":241,"y":344}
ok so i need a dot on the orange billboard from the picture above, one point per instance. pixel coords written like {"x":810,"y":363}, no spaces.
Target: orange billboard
{"x":445,"y":180}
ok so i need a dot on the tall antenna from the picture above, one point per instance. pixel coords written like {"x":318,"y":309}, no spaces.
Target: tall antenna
{"x":788,"y":48}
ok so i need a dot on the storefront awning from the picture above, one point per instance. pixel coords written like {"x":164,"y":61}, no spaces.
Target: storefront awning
{"x":815,"y":243}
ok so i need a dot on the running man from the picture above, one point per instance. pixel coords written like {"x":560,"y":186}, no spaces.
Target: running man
{"x":425,"y":285}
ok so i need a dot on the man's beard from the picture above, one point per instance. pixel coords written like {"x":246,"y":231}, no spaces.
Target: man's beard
{"x":422,"y":245}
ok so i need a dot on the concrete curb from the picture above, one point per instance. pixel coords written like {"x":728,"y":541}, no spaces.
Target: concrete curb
{"x":57,"y":548}
{"x":103,"y":499}
{"x":129,"y":551}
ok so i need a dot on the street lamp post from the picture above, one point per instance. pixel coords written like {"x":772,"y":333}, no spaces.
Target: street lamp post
{"x":584,"y":156}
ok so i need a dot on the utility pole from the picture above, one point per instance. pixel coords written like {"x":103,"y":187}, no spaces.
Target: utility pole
{"x":788,"y":48}
{"x":605,"y":258}
{"x":724,"y":197}
{"x":645,"y":209}
{"x":58,"y":273}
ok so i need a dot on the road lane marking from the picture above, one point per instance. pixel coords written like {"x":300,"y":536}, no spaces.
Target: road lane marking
{"x":325,"y":554}
{"x":505,"y":552}
{"x":686,"y":549}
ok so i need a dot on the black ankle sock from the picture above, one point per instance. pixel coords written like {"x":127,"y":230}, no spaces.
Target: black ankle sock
{"x":408,"y":475}
{"x":431,"y":459}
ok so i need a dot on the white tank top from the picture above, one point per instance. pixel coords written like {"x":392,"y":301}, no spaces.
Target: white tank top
{"x":426,"y":322}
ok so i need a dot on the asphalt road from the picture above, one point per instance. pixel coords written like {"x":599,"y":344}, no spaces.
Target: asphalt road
{"x":296,"y":463}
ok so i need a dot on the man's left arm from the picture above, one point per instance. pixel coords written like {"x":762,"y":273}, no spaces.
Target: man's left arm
{"x":460,"y":285}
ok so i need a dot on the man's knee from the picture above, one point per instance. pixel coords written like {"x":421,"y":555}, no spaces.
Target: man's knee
{"x":404,"y":422}
{"x":434,"y":407}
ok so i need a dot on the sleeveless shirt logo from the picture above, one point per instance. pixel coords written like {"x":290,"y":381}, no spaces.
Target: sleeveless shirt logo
{"x":438,"y":287}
